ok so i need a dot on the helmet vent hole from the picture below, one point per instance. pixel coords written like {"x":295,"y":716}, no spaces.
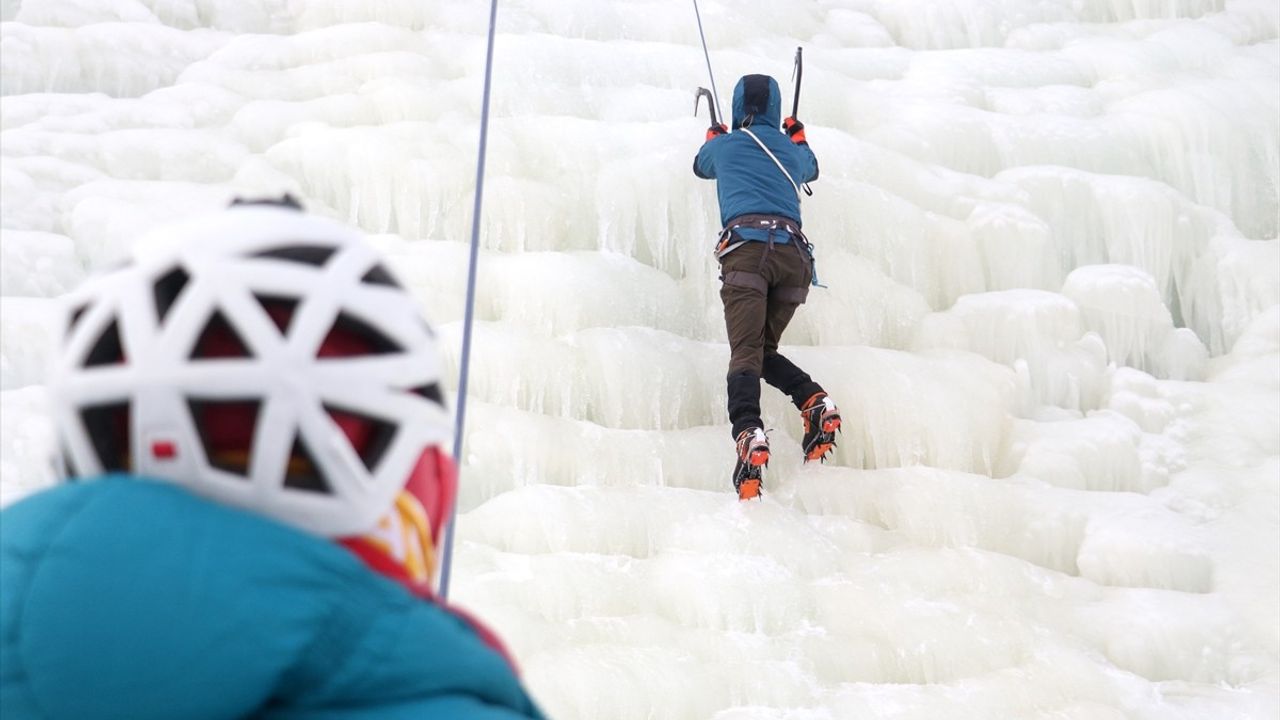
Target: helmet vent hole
{"x":350,"y":336}
{"x":68,"y":463}
{"x":378,"y":275}
{"x":226,"y":429}
{"x":219,"y":340}
{"x":316,"y":255}
{"x":167,"y":289}
{"x":284,"y":201}
{"x":303,"y":473}
{"x":280,"y":309}
{"x":75,"y":317}
{"x":369,"y":436}
{"x":108,"y":429}
{"x":430,"y":392}
{"x":107,"y":349}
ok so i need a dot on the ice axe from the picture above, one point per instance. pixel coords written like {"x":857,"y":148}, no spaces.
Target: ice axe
{"x":711,"y":104}
{"x":796,"y":73}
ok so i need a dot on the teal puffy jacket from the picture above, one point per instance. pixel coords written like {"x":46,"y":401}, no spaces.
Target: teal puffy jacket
{"x":129,"y":599}
{"x":747,"y":181}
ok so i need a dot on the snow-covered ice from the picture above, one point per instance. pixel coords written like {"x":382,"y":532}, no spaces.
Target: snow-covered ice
{"x":1053,"y":324}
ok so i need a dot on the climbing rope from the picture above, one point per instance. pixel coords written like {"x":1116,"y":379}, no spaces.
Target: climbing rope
{"x":460,"y":421}
{"x":715,"y":94}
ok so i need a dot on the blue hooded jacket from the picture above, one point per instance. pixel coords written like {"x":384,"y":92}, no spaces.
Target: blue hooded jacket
{"x":747,"y":181}
{"x":131,"y":599}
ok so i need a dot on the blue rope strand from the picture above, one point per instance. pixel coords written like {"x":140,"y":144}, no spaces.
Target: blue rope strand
{"x":460,"y":421}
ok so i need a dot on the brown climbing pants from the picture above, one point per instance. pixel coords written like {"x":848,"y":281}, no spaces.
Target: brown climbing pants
{"x":763,"y":285}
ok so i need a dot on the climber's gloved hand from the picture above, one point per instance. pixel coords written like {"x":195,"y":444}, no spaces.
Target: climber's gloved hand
{"x":794,"y":129}
{"x":715,"y":130}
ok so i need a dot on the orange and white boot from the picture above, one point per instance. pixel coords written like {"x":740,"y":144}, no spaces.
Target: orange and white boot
{"x":753,"y":456}
{"x":821,"y":422}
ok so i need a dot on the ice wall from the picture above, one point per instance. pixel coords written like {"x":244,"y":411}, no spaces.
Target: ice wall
{"x":1049,"y":231}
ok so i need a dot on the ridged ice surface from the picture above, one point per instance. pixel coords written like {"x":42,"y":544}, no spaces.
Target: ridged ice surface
{"x":1049,"y":231}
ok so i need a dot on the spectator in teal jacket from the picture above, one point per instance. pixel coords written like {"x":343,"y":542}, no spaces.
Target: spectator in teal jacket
{"x":250,"y":425}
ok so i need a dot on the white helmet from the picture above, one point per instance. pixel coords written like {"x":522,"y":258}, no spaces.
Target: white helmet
{"x":260,"y":357}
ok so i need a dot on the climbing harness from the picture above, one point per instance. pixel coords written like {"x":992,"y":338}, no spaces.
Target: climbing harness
{"x":730,"y":239}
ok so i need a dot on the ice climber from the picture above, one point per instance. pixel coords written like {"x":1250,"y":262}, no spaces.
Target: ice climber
{"x":250,"y":427}
{"x":766,"y":267}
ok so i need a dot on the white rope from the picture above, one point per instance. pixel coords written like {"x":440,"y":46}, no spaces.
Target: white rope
{"x":774,"y":158}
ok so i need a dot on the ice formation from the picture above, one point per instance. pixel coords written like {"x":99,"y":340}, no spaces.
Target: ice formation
{"x":1049,"y":232}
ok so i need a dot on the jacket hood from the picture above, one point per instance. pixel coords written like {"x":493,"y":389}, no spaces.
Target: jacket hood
{"x":759,"y":97}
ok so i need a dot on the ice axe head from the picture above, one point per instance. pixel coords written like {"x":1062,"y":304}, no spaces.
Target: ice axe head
{"x":711,"y":104}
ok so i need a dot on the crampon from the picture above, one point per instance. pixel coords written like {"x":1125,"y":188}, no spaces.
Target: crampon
{"x":753,"y":457}
{"x":821,"y":423}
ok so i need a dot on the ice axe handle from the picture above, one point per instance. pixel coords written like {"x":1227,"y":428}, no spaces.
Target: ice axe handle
{"x":796,"y":74}
{"x":711,"y":104}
